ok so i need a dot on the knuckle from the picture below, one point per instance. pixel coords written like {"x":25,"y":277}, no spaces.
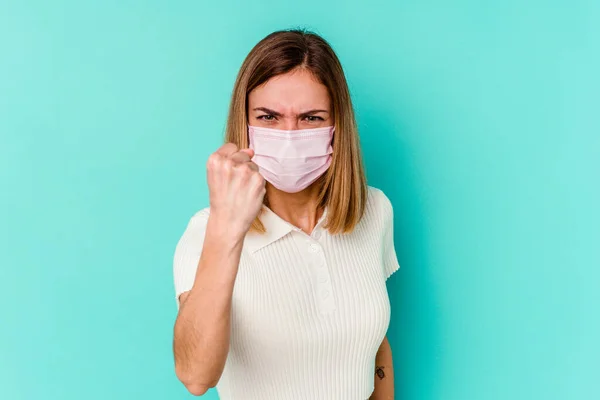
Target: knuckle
{"x":257,"y":178}
{"x":240,"y":156}
{"x":213,"y":160}
{"x":247,"y":170}
{"x":230,"y":146}
{"x":239,"y":167}
{"x":227,"y":164}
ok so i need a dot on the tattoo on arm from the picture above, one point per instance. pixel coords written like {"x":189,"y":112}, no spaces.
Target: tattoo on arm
{"x":379,"y":372}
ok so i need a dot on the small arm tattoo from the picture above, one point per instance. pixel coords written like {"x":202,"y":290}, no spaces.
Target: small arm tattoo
{"x":379,"y":372}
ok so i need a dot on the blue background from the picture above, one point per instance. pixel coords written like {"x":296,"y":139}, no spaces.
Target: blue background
{"x":479,"y":119}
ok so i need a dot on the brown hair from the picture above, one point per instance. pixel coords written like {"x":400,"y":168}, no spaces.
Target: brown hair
{"x":343,"y":188}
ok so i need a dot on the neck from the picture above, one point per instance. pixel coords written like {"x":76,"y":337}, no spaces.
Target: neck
{"x":300,"y":209}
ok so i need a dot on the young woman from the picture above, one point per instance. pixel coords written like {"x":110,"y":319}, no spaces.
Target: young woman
{"x":281,"y":281}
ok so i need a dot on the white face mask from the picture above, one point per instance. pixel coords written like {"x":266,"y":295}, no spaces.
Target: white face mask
{"x":291,"y":160}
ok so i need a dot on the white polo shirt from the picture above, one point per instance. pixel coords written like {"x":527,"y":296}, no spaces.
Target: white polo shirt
{"x":309,"y":312}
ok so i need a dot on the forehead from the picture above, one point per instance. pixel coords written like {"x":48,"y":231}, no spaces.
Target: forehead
{"x":295,"y":91}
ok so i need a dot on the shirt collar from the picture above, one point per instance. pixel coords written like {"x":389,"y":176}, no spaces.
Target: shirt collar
{"x":276,"y":228}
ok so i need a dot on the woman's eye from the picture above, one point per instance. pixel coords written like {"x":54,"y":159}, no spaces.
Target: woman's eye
{"x":313,"y":118}
{"x":266,"y":117}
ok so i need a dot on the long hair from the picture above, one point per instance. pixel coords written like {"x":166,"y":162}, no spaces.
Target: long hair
{"x":343,"y":188}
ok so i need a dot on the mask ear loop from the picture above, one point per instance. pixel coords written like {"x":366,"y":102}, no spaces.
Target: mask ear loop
{"x":333,"y":135}
{"x":250,"y":144}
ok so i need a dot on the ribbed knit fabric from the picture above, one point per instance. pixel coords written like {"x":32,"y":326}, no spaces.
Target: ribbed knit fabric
{"x":309,"y":312}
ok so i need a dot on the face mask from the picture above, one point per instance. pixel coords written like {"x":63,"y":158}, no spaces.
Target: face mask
{"x":291,"y":160}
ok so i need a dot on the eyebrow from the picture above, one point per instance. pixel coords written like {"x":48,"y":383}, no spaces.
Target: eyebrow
{"x":278,"y":114}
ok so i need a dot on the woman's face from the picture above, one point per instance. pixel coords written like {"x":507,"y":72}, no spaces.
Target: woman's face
{"x":291,"y":101}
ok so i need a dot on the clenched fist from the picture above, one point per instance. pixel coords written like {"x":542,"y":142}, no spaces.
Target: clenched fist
{"x":236,"y":187}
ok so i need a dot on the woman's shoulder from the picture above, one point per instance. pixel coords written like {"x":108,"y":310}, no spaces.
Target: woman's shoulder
{"x":377,"y":201}
{"x":201,"y":214}
{"x":377,"y":215}
{"x":198,"y":219}
{"x":378,"y":210}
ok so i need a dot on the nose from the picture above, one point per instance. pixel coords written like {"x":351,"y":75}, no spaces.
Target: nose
{"x":290,"y":124}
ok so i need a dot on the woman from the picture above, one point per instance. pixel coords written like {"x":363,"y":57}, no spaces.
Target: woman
{"x":281,"y":281}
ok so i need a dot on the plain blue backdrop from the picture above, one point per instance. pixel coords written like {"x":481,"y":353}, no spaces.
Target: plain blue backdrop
{"x":479,"y":119}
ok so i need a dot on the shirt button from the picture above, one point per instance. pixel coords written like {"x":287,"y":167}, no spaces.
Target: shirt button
{"x":325,"y":293}
{"x":317,"y":235}
{"x":313,"y":248}
{"x":323,"y":278}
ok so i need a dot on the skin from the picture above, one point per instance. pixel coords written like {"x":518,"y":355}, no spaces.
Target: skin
{"x":201,"y":335}
{"x":384,"y":373}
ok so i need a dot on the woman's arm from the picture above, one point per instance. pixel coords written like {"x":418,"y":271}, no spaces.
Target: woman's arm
{"x":202,"y":328}
{"x":384,"y":373}
{"x":201,"y":334}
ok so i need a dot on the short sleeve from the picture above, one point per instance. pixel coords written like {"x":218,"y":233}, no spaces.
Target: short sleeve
{"x":390,"y":261}
{"x":187,"y":253}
